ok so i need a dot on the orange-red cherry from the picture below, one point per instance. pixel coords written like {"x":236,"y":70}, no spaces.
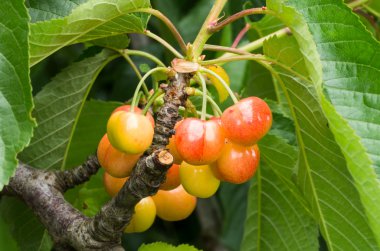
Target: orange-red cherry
{"x":116,"y":163}
{"x":172,"y":178}
{"x":247,"y":121}
{"x":175,"y":204}
{"x":112,"y":184}
{"x":199,"y":142}
{"x":173,"y":148}
{"x":237,"y":164}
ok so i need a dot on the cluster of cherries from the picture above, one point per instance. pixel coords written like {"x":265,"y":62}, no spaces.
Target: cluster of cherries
{"x":205,"y":152}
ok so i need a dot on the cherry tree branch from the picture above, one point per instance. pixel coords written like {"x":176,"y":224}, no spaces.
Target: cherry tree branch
{"x":43,"y":190}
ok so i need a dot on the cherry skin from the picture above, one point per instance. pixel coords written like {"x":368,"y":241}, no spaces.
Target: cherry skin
{"x":112,"y":184}
{"x":172,"y":178}
{"x":130,"y":132}
{"x":143,"y":218}
{"x":199,"y":142}
{"x":247,"y":121}
{"x":127,"y":108}
{"x":237,"y":164}
{"x":198,"y":180}
{"x":175,"y":204}
{"x":222,"y":92}
{"x":115,"y":163}
{"x":173,"y":148}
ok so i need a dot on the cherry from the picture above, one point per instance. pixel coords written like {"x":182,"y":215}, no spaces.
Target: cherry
{"x":175,"y":204}
{"x":115,"y":163}
{"x":112,"y":184}
{"x":198,"y":180}
{"x":173,"y":148}
{"x":199,"y":142}
{"x":172,"y":178}
{"x":127,"y":108}
{"x":130,"y":132}
{"x":237,"y":164}
{"x":247,"y":121}
{"x":143,"y":218}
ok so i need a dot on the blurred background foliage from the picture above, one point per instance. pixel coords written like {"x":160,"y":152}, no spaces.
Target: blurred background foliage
{"x":218,"y":222}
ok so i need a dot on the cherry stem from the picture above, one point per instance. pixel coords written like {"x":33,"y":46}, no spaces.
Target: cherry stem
{"x":204,"y":96}
{"x":142,"y":54}
{"x":158,"y":93}
{"x":210,"y":100}
{"x":134,"y":100}
{"x":225,"y":85}
{"x":254,"y":45}
{"x":164,"y":43}
{"x":136,"y":70}
{"x":204,"y":34}
{"x":183,"y":109}
{"x":218,"y":26}
{"x":356,"y":3}
{"x":169,"y":24}
{"x":240,"y":36}
{"x":211,"y":47}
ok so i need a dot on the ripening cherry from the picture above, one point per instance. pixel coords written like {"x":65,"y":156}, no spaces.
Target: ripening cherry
{"x":127,"y":108}
{"x":199,"y":142}
{"x":115,"y":163}
{"x":172,"y":178}
{"x":175,"y":204}
{"x":143,"y":218}
{"x":112,"y":184}
{"x":237,"y":164}
{"x":130,"y":132}
{"x":247,"y":121}
{"x":198,"y":180}
{"x":177,"y":159}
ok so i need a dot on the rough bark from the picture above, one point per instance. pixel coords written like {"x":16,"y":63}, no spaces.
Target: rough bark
{"x":43,"y":191}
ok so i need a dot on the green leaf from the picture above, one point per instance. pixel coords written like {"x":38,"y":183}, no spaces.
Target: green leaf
{"x":114,"y":42}
{"x":234,"y":206}
{"x":92,"y":20}
{"x":28,"y":232}
{"x":58,"y":107}
{"x":6,"y":240}
{"x":341,"y":57}
{"x":277,"y":216}
{"x":49,"y":9}
{"x":161,"y":246}
{"x":322,"y":174}
{"x":16,"y":101}
{"x":87,"y":134}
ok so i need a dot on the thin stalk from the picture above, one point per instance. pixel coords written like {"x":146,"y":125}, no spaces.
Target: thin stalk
{"x":164,"y":43}
{"x":169,"y":24}
{"x":225,"y":85}
{"x":151,"y":100}
{"x":241,"y":34}
{"x":204,"y":96}
{"x":254,"y":45}
{"x":136,"y":70}
{"x":236,"y":16}
{"x":211,"y":47}
{"x":142,"y":54}
{"x":134,"y":100}
{"x":223,"y":60}
{"x":204,"y":33}
{"x":210,"y":100}
{"x":356,"y":3}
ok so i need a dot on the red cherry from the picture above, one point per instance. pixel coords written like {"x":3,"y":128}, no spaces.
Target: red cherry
{"x":237,"y":164}
{"x":247,"y":121}
{"x":199,"y":142}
